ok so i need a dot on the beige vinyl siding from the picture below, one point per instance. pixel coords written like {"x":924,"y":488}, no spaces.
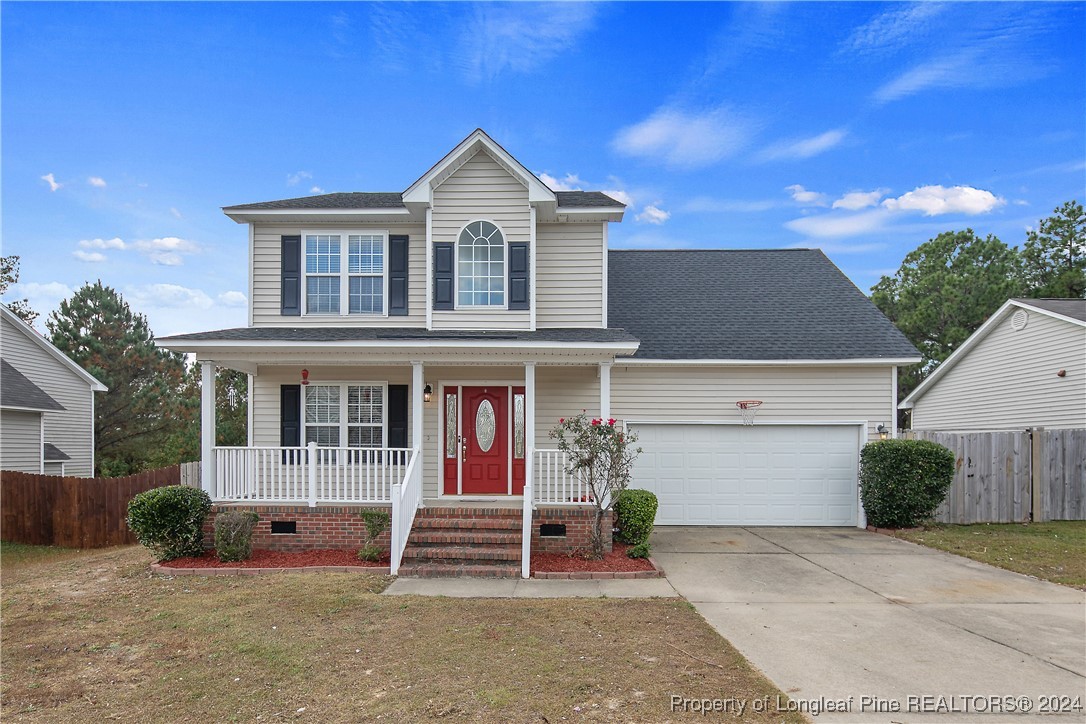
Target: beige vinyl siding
{"x":569,"y":275}
{"x":71,"y":429}
{"x":796,"y":394}
{"x":1008,"y":381}
{"x":481,"y":190}
{"x":267,"y":277}
{"x":20,"y":441}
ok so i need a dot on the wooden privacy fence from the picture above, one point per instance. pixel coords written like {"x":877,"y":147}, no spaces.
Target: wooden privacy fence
{"x":1013,"y":477}
{"x":73,"y":512}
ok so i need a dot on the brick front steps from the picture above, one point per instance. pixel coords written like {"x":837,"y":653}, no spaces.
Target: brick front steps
{"x":464,"y":542}
{"x":657,"y":572}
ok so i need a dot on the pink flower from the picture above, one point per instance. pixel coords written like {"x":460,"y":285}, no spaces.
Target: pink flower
{"x":611,"y":421}
{"x":562,"y":420}
{"x":596,"y":421}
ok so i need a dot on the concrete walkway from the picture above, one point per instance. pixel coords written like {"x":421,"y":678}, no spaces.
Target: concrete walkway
{"x":833,"y":613}
{"x":531,"y":588}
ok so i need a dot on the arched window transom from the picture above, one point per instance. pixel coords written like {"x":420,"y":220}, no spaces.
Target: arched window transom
{"x":481,"y":266}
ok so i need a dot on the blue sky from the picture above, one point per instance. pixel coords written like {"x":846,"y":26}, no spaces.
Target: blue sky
{"x":862,"y":129}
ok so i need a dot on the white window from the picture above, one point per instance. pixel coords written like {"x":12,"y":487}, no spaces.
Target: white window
{"x":480,"y":266}
{"x":345,"y":415}
{"x":361,"y":280}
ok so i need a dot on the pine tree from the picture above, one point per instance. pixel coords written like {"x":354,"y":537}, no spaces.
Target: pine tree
{"x":1054,"y":256}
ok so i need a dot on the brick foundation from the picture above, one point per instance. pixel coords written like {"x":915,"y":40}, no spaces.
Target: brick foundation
{"x":337,"y":527}
{"x":578,"y":522}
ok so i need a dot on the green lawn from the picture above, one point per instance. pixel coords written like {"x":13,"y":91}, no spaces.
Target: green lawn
{"x":95,"y":636}
{"x":13,"y":555}
{"x":1054,"y":551}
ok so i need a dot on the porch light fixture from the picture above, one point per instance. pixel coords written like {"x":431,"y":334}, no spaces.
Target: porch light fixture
{"x":882,"y":431}
{"x":305,"y":377}
{"x":427,"y":393}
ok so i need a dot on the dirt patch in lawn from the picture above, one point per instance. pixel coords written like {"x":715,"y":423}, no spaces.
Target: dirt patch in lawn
{"x":1053,"y":551}
{"x":614,"y":562}
{"x":280,"y":559}
{"x":102,"y":638}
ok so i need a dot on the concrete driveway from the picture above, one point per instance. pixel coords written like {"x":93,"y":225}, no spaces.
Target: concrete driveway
{"x":833,"y":613}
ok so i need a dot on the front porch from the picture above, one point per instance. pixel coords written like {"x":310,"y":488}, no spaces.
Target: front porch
{"x":457,"y":419}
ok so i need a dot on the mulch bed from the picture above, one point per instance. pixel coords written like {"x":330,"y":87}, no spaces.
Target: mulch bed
{"x":614,"y":562}
{"x":280,"y":559}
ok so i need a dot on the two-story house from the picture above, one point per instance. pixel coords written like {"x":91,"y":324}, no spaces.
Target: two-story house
{"x":415,"y":349}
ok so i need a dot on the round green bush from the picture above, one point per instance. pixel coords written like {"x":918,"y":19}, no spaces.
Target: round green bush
{"x":902,"y":482}
{"x":170,"y":520}
{"x":635,"y":512}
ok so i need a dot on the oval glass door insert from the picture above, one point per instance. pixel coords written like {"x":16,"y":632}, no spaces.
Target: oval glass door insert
{"x":484,"y":426}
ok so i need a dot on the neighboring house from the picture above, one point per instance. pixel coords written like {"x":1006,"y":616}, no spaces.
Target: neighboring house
{"x":457,"y":321}
{"x":46,"y":404}
{"x":1023,"y":368}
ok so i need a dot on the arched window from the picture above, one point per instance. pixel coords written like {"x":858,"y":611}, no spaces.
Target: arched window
{"x":481,"y":266}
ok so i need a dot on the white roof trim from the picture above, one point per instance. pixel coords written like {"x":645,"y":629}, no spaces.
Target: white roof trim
{"x":972,"y":341}
{"x":243,"y":216}
{"x":45,"y":344}
{"x":37,"y":410}
{"x":184,"y":345}
{"x":852,"y":362}
{"x":421,"y":191}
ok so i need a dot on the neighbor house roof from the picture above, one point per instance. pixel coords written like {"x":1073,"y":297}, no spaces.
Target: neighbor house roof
{"x":18,"y":392}
{"x":394,"y":200}
{"x":31,"y":334}
{"x":1069,"y":310}
{"x":761,"y":305}
{"x":54,"y":454}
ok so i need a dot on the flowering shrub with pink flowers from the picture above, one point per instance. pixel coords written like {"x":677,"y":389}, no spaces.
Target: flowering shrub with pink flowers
{"x":599,"y":454}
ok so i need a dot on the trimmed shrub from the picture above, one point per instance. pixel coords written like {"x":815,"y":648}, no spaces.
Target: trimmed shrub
{"x":377,"y":522}
{"x":635,"y":512}
{"x":234,"y":535}
{"x":641,"y":550}
{"x":902,"y":482}
{"x":170,"y":520}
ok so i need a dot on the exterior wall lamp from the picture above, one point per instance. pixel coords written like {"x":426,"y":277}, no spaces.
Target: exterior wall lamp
{"x":427,"y":393}
{"x":882,"y":431}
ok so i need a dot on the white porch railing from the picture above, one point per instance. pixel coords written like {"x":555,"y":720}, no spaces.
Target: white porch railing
{"x":308,"y":475}
{"x":406,"y":500}
{"x":553,"y":485}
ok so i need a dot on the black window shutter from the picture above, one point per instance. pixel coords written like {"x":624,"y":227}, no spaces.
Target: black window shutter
{"x":397,"y":276}
{"x":397,"y":415}
{"x":443,"y":275}
{"x":518,"y":275}
{"x":291,"y":286}
{"x":290,"y":415}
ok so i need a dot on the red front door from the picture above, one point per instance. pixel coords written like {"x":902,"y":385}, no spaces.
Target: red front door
{"x":485,"y":427}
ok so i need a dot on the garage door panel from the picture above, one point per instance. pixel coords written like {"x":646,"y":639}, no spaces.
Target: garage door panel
{"x":750,"y":475}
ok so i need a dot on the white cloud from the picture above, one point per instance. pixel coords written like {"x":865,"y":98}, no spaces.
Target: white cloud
{"x":519,"y":37}
{"x":936,"y":200}
{"x":114,"y":243}
{"x":159,"y":296}
{"x":804,"y":197}
{"x":168,"y":250}
{"x":316,"y":190}
{"x":685,"y":139}
{"x":90,"y":257}
{"x":176,"y":213}
{"x":97,"y":182}
{"x":293,"y":179}
{"x":707,"y":204}
{"x":51,"y":180}
{"x":894,"y":28}
{"x":620,"y":196}
{"x":653,"y":214}
{"x":856,"y":200}
{"x":842,"y":247}
{"x":232,"y":299}
{"x":570,"y":182}
{"x":43,"y":298}
{"x":836,"y":225}
{"x":804,"y":147}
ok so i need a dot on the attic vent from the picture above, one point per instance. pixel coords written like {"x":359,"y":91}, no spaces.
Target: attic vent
{"x":1019,"y":320}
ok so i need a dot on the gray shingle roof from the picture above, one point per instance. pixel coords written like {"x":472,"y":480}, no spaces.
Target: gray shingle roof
{"x":394,"y":200}
{"x":17,"y":391}
{"x":1073,"y":308}
{"x":54,"y":454}
{"x":368,"y":334}
{"x":786,"y":304}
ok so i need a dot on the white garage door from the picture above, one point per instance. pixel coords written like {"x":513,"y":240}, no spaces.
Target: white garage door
{"x":750,"y":475}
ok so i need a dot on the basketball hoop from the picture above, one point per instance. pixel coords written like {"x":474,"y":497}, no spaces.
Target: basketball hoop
{"x":748,"y":409}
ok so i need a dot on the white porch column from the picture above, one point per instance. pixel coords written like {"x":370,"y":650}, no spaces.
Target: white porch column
{"x":529,"y":421}
{"x":417,"y":411}
{"x":207,"y":426}
{"x":249,"y":411}
{"x":893,"y":406}
{"x":605,"y":390}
